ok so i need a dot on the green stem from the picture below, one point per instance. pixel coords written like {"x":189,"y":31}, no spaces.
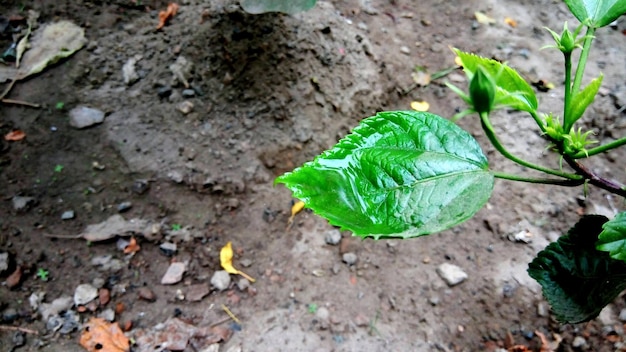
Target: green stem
{"x":545,"y":181}
{"x":491,"y":134}
{"x":568,"y":84}
{"x":538,"y":120}
{"x":600,"y":149}
{"x":580,"y":70}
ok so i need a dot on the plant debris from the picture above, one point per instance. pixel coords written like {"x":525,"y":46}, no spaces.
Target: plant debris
{"x":226,"y":260}
{"x":420,"y":105}
{"x":167,"y":14}
{"x":102,"y":336}
{"x":14,"y":136}
{"x":295,"y":209}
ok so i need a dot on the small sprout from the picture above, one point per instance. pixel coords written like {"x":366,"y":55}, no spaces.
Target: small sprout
{"x":42,"y":274}
{"x":312,"y":307}
{"x":176,"y":227}
{"x":58,"y":168}
{"x":59,"y":105}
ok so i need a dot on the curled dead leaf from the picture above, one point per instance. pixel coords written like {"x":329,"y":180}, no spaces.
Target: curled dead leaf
{"x":101,"y":336}
{"x":226,"y":260}
{"x":295,"y":209}
{"x":420,"y":105}
{"x":132,"y":247}
{"x":15,"y":136}
{"x":170,"y":12}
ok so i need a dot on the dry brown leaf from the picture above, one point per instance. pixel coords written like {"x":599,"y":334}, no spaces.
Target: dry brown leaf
{"x":14,"y":136}
{"x":164,"y":16}
{"x":102,"y":336}
{"x":511,"y":22}
{"x":132,"y":247}
{"x":226,"y":260}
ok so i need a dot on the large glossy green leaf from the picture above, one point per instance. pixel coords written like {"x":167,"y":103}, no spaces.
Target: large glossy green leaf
{"x":513,"y":91}
{"x":577,"y":279}
{"x":613,"y":237}
{"x":582,"y":100}
{"x":398,"y":174}
{"x":597,"y":13}
{"x":285,"y":6}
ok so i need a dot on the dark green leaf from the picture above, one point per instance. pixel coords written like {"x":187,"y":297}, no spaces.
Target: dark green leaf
{"x":398,"y":174}
{"x":613,"y":237}
{"x":597,"y":13}
{"x":286,"y":6}
{"x":582,"y":99}
{"x":513,"y":91}
{"x":578,"y":280}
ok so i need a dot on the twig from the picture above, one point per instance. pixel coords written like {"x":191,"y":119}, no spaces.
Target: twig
{"x":20,"y":102}
{"x":596,"y":180}
{"x":230,"y":314}
{"x":17,"y":328}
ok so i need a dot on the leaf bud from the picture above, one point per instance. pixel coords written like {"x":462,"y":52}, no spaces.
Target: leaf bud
{"x":482,"y":91}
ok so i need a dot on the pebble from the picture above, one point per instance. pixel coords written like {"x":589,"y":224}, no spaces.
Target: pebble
{"x":18,"y":340}
{"x":215,"y":347}
{"x":220,"y":280}
{"x":60,"y":304}
{"x":82,"y":116}
{"x":361,"y":320}
{"x":22,"y":203}
{"x":107,"y":263}
{"x":333,"y":237}
{"x":164,"y":92}
{"x":173,"y":274}
{"x":35,"y":299}
{"x":146,"y":294}
{"x":622,"y":315}
{"x":196,"y":293}
{"x":9,"y":315}
{"x":124,"y":206}
{"x":542,"y":309}
{"x":185,"y":107}
{"x":579,"y":342}
{"x":323,"y":316}
{"x":107,"y":314}
{"x":168,"y":248}
{"x":434,"y":300}
{"x":4,"y":262}
{"x":175,"y":176}
{"x":140,"y":186}
{"x":104,"y":296}
{"x":451,"y":274}
{"x":67,"y":215}
{"x":84,"y":294}
{"x":349,"y":258}
{"x":97,"y":282}
{"x":243,"y":284}
{"x":189,"y":93}
{"x":405,"y":50}
{"x":129,"y":73}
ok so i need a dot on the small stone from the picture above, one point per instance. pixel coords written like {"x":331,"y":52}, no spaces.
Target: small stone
{"x":246,"y":262}
{"x":606,"y":316}
{"x":243,"y":284}
{"x":451,"y":274}
{"x":82,"y":116}
{"x":434,"y":300}
{"x":164,"y":92}
{"x":349,"y":258}
{"x":185,"y":107}
{"x":9,"y":315}
{"x":405,"y":50}
{"x":168,"y":248}
{"x":60,"y":304}
{"x":4,"y":262}
{"x":173,"y":274}
{"x":146,"y":294}
{"x":579,"y":342}
{"x":97,"y":282}
{"x":35,"y":299}
{"x":22,"y":203}
{"x":323,"y":316}
{"x":129,"y":72}
{"x":67,"y":215}
{"x":196,"y":293}
{"x":215,"y":347}
{"x":361,"y":320}
{"x":104,"y":296}
{"x":107,"y":314}
{"x":175,"y":176}
{"x":124,"y":206}
{"x":84,"y":294}
{"x":542,"y":309}
{"x":18,"y":340}
{"x":189,"y":93}
{"x":622,"y":315}
{"x":140,"y":186}
{"x":333,"y":237}
{"x":220,"y":280}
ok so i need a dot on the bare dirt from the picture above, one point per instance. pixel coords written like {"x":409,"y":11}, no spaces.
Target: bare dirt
{"x":269,"y":92}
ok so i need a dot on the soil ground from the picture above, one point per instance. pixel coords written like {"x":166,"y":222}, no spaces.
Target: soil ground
{"x":269,"y":93}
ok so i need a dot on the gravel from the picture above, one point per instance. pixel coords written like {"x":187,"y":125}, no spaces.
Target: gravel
{"x":82,"y":117}
{"x":84,"y":294}
{"x":220,"y":280}
{"x":451,"y":274}
{"x":349,"y":258}
{"x":333,"y":237}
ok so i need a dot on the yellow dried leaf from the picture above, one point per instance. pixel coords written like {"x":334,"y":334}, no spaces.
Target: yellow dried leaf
{"x":483,"y":19}
{"x":420,"y":105}
{"x":226,"y":260}
{"x":295,"y":209}
{"x":511,"y":22}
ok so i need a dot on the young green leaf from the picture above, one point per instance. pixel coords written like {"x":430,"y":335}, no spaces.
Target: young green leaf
{"x":398,"y":174}
{"x":513,"y":91}
{"x":598,"y":13}
{"x":578,"y":280}
{"x":285,"y":6}
{"x":582,"y":100}
{"x":613,"y":237}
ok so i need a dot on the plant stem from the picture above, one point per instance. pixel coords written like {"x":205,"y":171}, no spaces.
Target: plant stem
{"x":568,"y":84}
{"x":538,"y":120}
{"x":596,"y":180}
{"x":491,"y":134}
{"x":580,"y":70}
{"x":546,"y":181}
{"x":600,"y":149}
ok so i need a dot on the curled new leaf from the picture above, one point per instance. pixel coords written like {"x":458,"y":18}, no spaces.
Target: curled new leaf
{"x":398,"y":174}
{"x":226,"y":260}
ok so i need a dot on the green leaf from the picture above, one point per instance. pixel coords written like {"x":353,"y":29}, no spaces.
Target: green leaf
{"x":286,"y":6}
{"x":597,"y":13}
{"x":513,"y":91}
{"x":582,"y":100}
{"x":398,"y":174}
{"x":613,"y":237}
{"x":578,"y":280}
